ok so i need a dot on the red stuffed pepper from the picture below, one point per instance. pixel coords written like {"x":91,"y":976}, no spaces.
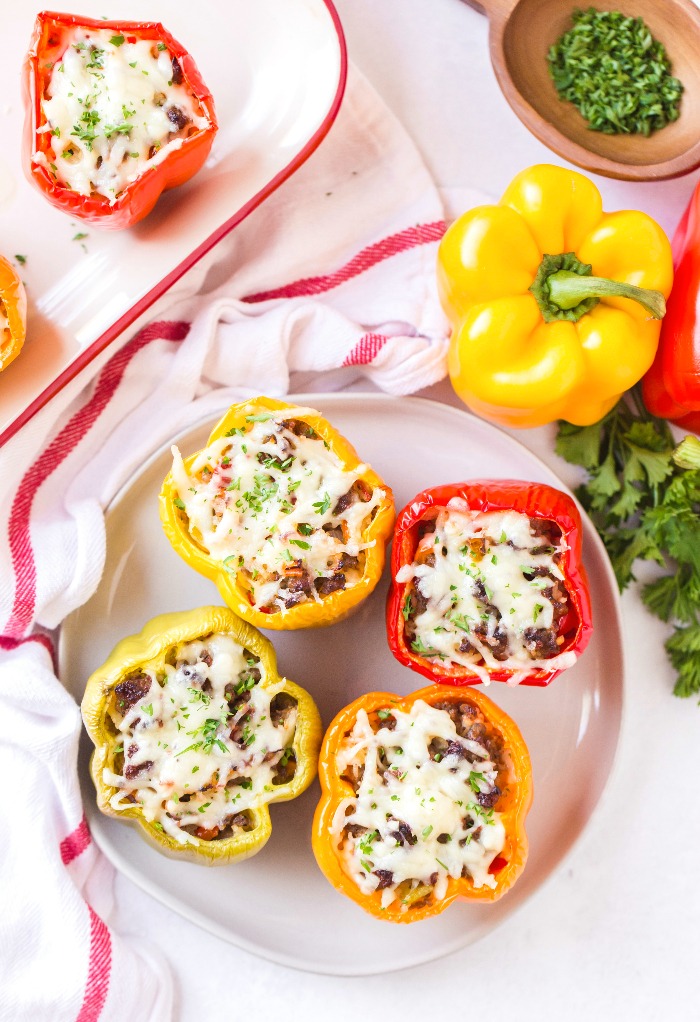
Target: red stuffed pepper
{"x":116,"y":112}
{"x":487,"y":584}
{"x":671,"y":387}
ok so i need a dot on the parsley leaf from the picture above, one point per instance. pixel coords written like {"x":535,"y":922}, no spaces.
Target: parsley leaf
{"x":643,"y":495}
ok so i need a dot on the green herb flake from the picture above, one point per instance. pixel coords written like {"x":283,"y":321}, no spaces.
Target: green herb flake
{"x":117,"y":40}
{"x":322,"y":506}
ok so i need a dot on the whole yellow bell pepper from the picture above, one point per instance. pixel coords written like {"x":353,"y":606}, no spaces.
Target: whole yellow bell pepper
{"x":134,"y":678}
{"x":555,"y":304}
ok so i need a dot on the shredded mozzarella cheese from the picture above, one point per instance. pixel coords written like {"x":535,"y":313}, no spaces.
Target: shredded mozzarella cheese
{"x":113,"y":110}
{"x":419,"y":816}
{"x":485,"y":593}
{"x":278,"y":507}
{"x":203,"y":743}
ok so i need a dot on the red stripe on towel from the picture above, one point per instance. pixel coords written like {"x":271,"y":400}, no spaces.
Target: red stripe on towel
{"x":76,"y":843}
{"x":411,"y":237}
{"x":366,"y":350}
{"x":99,"y":970}
{"x":59,"y":449}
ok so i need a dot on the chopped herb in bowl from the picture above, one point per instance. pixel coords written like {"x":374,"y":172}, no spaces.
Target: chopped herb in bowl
{"x":615,"y":73}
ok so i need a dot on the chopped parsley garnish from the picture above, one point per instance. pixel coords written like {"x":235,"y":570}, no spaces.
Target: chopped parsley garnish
{"x":616,"y":74}
{"x":117,"y":40}
{"x":322,"y":506}
{"x":21,"y":259}
{"x":474,"y":779}
{"x":179,"y":503}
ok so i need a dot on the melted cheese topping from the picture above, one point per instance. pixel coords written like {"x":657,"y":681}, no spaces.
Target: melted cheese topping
{"x":280,"y":508}
{"x":486,"y":592}
{"x":205,"y":742}
{"x":113,"y":110}
{"x":418,"y":816}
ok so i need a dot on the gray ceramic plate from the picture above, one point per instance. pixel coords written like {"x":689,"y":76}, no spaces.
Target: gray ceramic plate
{"x":278,"y":904}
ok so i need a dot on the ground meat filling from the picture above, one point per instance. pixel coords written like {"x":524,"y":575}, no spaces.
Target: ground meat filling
{"x":486,"y":589}
{"x":200,"y":742}
{"x":426,"y":787}
{"x":113,"y":106}
{"x":280,"y":510}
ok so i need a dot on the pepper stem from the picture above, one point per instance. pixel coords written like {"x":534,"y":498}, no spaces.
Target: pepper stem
{"x":565,"y":289}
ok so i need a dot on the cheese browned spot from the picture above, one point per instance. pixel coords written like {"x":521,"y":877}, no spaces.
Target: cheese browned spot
{"x":113,"y":108}
{"x":201,"y":740}
{"x":487,"y":591}
{"x":425,"y":801}
{"x":276,"y":505}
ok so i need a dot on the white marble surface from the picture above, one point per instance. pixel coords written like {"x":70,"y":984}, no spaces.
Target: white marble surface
{"x":614,"y":935}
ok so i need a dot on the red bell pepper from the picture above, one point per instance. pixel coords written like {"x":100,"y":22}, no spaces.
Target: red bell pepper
{"x":671,"y":387}
{"x":536,"y":501}
{"x":50,"y":40}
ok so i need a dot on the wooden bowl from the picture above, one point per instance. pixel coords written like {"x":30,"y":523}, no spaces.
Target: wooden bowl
{"x":520,"y":35}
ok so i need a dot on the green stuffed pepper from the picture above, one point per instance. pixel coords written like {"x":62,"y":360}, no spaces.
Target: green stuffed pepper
{"x":195,"y":733}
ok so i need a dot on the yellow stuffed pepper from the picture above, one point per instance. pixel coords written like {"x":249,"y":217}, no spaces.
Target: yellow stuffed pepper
{"x":555,"y":305}
{"x":195,"y":733}
{"x":279,"y":512}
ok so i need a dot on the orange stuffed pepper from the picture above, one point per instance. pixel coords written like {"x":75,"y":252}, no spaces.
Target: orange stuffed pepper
{"x":424,"y":800}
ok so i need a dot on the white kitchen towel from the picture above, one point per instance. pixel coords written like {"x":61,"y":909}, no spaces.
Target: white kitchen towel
{"x":329,"y":283}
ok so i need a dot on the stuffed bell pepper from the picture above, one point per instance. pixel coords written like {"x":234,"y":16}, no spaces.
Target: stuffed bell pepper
{"x":13,"y":314}
{"x":116,"y":112}
{"x":487,"y":584}
{"x":195,"y":733}
{"x":281,"y":514}
{"x":555,"y":305}
{"x":423,"y":800}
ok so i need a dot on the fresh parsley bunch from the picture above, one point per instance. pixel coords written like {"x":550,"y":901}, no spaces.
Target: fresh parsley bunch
{"x":643,"y":496}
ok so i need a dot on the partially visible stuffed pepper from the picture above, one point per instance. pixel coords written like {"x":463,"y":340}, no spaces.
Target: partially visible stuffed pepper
{"x":116,"y":112}
{"x":555,"y":305}
{"x":281,"y":514}
{"x":13,"y":314}
{"x":671,"y":388}
{"x":195,"y":734}
{"x":487,"y":584}
{"x":423,"y":801}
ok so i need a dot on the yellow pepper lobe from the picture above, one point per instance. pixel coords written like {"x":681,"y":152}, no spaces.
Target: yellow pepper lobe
{"x":559,"y":206}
